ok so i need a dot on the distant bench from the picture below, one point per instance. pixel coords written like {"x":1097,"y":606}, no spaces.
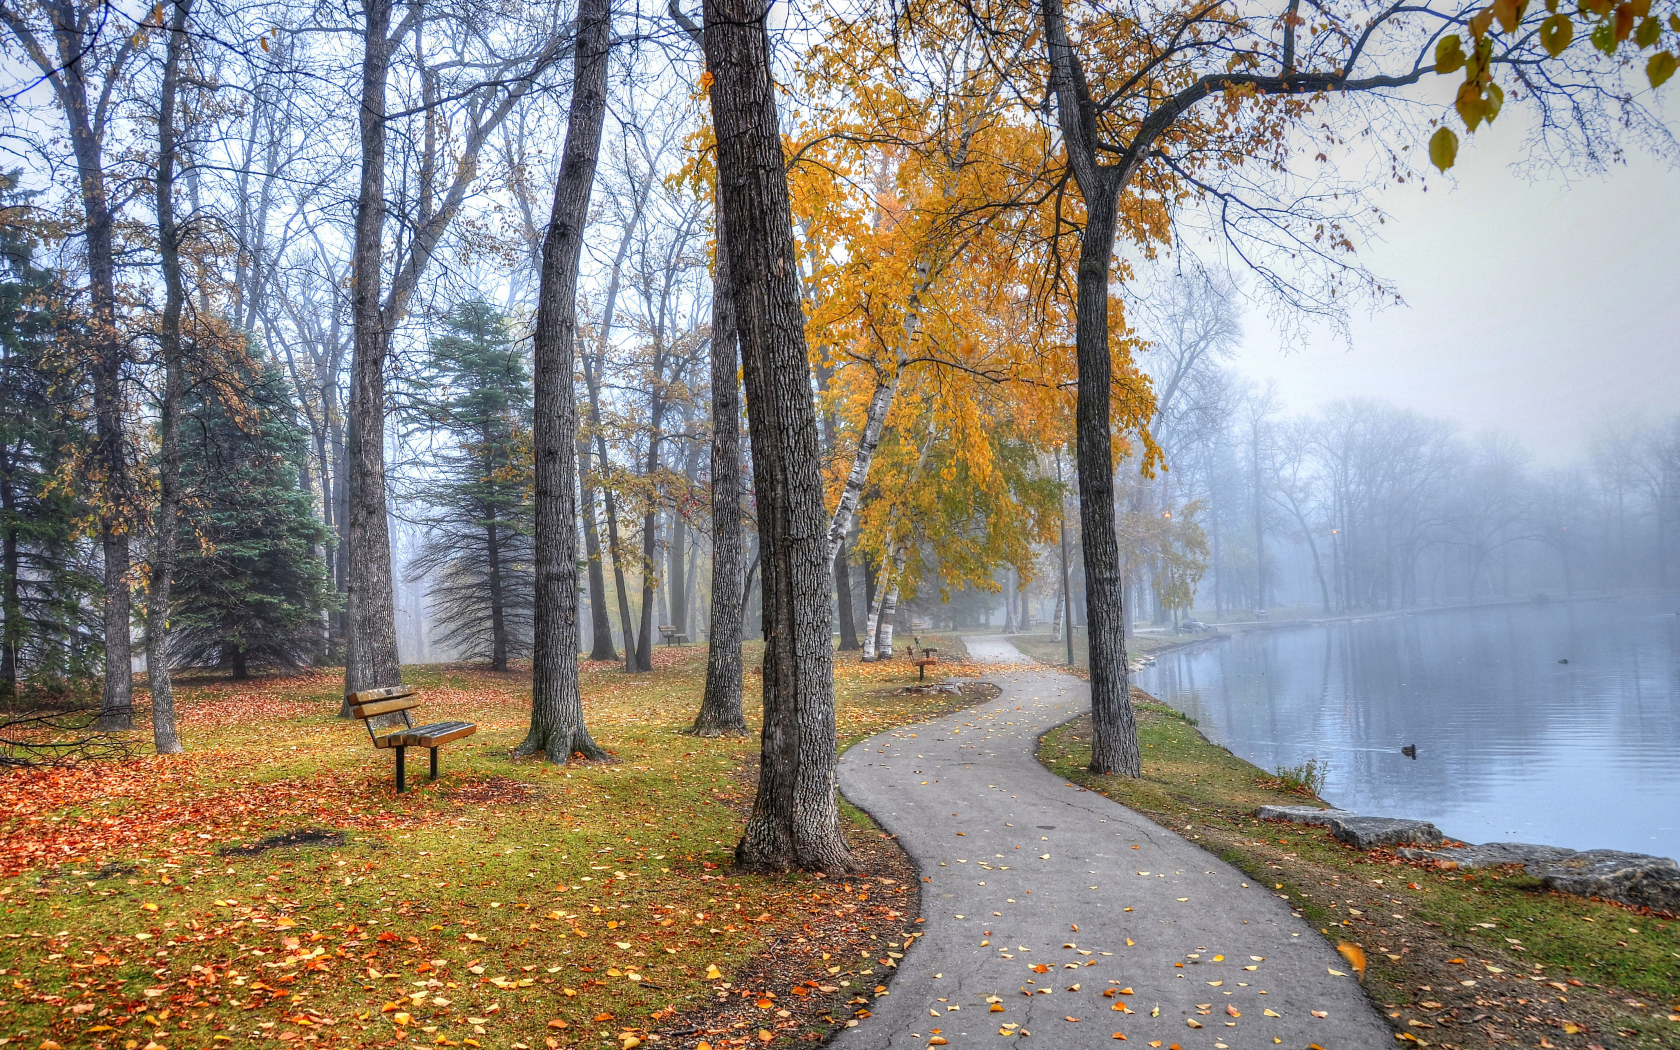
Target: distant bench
{"x":672,"y":635}
{"x":370,"y":704}
{"x":927,"y":661}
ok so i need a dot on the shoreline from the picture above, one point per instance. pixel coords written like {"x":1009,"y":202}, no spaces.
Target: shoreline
{"x":1456,"y":957}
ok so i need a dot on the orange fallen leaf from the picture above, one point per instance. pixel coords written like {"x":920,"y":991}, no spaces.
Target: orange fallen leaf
{"x":1233,"y":1011}
{"x":1321,"y":1013}
{"x":1119,"y":1035}
{"x":1355,"y":955}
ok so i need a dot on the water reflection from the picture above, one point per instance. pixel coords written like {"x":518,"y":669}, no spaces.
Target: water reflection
{"x":1512,"y":742}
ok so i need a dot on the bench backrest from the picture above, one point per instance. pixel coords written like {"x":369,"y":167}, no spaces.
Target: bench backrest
{"x":389,"y":707}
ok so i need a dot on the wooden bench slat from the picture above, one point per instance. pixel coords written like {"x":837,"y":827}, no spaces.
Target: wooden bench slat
{"x":442,"y":733}
{"x":383,"y":707}
{"x":390,"y":739}
{"x":388,"y":693}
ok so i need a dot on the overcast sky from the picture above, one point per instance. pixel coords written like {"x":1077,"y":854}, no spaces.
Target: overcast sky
{"x":1532,"y":307}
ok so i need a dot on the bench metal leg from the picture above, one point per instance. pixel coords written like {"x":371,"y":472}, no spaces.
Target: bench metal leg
{"x":402,"y":763}
{"x":434,"y":763}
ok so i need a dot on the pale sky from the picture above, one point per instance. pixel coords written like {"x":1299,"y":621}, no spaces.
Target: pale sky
{"x":1532,"y":307}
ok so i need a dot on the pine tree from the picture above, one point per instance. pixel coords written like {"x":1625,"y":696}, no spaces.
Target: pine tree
{"x":478,"y":553}
{"x":250,"y":588}
{"x":49,"y":631}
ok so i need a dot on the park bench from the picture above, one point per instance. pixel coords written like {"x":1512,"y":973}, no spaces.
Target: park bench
{"x":672,"y":635}
{"x":397,"y":702}
{"x":927,"y":660}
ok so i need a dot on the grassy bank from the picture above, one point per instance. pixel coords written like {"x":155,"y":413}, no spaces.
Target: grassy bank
{"x":270,"y":887}
{"x":1455,"y":959}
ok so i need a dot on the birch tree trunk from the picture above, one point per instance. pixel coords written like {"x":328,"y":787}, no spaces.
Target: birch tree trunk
{"x":164,"y":736}
{"x":557,"y":727}
{"x":795,"y":822}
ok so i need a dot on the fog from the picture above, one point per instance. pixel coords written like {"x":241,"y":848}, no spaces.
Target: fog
{"x":1538,"y":304}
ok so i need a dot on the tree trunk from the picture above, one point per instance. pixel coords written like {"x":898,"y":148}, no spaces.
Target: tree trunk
{"x":557,"y":728}
{"x":371,"y":660}
{"x":600,"y":622}
{"x":795,"y":820}
{"x":1114,"y":743}
{"x":498,"y":605}
{"x":843,"y":597}
{"x":164,"y":737}
{"x":677,"y":574}
{"x":720,"y":707}
{"x":11,"y":637}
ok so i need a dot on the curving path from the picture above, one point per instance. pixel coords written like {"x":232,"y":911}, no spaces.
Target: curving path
{"x":1015,"y":859}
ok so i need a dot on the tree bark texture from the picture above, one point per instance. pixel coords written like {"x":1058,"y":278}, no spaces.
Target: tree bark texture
{"x":371,"y":621}
{"x":164,"y":736}
{"x":720,"y":707}
{"x":795,"y":822}
{"x":557,"y":727}
{"x":1114,"y":743}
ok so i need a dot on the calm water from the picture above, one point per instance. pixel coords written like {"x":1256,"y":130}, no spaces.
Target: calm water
{"x":1512,"y":745}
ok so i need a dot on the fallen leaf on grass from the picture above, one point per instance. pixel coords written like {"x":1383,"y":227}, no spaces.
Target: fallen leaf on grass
{"x":1355,"y":955}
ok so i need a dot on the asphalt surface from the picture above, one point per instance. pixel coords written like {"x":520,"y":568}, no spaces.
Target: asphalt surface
{"x":1039,"y":896}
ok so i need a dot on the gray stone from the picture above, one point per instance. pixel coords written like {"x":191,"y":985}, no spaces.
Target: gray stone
{"x":1371,"y":832}
{"x":1489,"y":855}
{"x":1628,"y":878}
{"x":1300,"y":814}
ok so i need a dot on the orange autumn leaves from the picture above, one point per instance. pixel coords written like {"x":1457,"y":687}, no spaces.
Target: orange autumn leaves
{"x":933,"y":253}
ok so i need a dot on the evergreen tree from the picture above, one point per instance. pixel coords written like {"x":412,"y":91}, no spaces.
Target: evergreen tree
{"x":49,"y":630}
{"x":477,"y":554}
{"x":250,"y":589}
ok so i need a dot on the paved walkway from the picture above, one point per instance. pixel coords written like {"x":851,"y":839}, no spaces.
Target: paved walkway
{"x":1042,"y":896}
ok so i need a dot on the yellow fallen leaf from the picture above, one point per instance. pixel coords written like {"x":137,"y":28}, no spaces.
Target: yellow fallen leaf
{"x":937,"y":1040}
{"x":1192,"y":1022}
{"x":997,"y":1008}
{"x":712,"y":973}
{"x":1335,"y":973}
{"x":1269,"y":1012}
{"x":148,"y":906}
{"x":622,"y":945}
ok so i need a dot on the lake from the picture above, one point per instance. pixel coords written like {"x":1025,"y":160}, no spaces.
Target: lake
{"x":1512,"y":744}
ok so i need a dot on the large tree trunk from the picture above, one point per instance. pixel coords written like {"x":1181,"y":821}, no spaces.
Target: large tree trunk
{"x":720,"y":707}
{"x":371,"y":660}
{"x":164,"y":736}
{"x":557,"y":728}
{"x":1114,"y":743}
{"x":795,"y":820}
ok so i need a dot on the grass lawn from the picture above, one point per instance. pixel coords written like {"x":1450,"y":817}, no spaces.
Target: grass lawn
{"x":270,"y":887}
{"x":1454,"y":959}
